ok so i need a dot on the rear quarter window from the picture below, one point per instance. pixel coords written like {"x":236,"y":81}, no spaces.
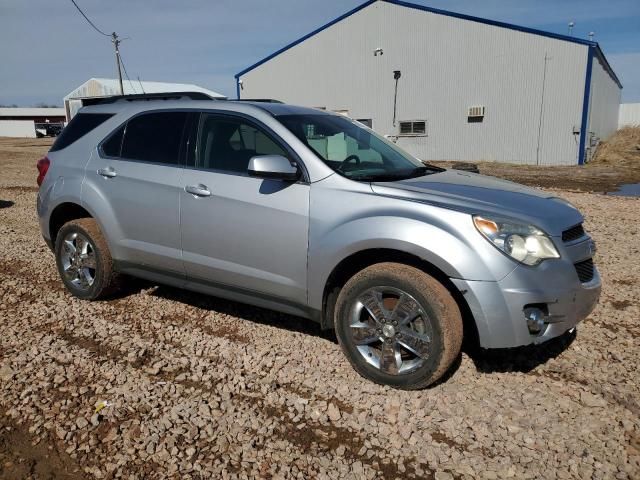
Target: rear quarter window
{"x":78,"y":127}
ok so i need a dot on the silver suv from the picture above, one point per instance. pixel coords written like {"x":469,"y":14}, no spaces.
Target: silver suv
{"x":310,"y":213}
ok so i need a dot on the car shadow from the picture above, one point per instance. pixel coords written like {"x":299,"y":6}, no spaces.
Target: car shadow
{"x":246,"y":312}
{"x":6,"y":203}
{"x":504,"y":360}
{"x":519,"y":359}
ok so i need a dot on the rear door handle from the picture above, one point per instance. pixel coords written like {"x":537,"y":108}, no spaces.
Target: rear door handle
{"x":199,"y":190}
{"x":108,"y":172}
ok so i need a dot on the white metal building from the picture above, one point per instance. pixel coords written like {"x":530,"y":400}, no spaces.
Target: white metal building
{"x":629,"y":115}
{"x":23,"y":122}
{"x":106,"y":87}
{"x":468,"y":88}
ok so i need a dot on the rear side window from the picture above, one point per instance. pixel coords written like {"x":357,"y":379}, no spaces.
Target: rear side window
{"x":154,"y":137}
{"x":78,"y":127}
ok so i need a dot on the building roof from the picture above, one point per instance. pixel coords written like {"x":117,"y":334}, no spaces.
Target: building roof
{"x":101,"y":87}
{"x":598,"y":51}
{"x":32,"y":112}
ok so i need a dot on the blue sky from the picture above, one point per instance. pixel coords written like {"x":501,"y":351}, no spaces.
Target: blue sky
{"x":47,"y":49}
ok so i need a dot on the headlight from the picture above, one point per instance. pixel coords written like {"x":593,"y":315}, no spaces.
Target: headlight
{"x":524,"y":243}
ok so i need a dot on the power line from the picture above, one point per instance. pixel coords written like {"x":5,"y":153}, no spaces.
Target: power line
{"x":127,"y":74}
{"x":90,"y":22}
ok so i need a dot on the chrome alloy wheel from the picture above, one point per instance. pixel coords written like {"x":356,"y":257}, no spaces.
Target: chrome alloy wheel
{"x":391,"y":330}
{"x":78,"y":260}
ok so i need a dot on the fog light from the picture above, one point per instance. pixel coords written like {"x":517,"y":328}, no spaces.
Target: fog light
{"x":535,"y":320}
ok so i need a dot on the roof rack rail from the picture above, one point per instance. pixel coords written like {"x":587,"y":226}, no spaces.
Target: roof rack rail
{"x":257,"y":100}
{"x":147,"y":96}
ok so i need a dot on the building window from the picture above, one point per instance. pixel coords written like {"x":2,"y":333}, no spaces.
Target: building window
{"x":366,"y":121}
{"x":413,"y":127}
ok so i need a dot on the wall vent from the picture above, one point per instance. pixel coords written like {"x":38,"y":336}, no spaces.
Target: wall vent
{"x":413,"y":128}
{"x":476,"y":111}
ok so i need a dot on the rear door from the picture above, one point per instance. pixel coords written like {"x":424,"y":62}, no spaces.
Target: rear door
{"x":137,"y":175}
{"x":247,"y":233}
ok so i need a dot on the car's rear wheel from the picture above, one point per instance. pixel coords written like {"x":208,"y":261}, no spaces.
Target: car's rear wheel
{"x":84,"y":261}
{"x":398,"y":326}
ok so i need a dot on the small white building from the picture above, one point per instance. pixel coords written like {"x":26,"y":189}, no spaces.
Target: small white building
{"x":629,"y":115}
{"x":448,"y":86}
{"x":30,"y":122}
{"x":107,"y":87}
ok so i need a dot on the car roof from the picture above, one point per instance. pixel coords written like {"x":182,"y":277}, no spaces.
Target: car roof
{"x":278,"y":109}
{"x":273,"y":108}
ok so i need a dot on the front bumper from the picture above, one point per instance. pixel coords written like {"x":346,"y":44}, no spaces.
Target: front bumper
{"x":498,"y":307}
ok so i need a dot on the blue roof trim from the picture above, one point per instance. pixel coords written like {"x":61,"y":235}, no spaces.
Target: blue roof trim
{"x":447,"y":13}
{"x":300,"y":40}
{"x":494,"y":23}
{"x":511,"y":26}
{"x":585,"y":107}
{"x":606,"y":66}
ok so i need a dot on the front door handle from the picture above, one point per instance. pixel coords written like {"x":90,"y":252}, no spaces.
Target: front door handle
{"x":108,"y":172}
{"x":199,"y":190}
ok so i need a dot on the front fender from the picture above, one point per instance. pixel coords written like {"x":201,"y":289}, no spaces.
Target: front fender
{"x":344,"y":223}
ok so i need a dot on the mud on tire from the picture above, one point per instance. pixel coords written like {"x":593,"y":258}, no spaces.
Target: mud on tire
{"x":423,"y":349}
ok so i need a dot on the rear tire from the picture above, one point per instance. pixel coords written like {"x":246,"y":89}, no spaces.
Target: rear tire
{"x":84,"y":261}
{"x":398,"y":326}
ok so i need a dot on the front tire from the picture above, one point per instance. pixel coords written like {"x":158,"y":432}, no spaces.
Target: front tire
{"x":398,"y":326}
{"x":84,"y":261}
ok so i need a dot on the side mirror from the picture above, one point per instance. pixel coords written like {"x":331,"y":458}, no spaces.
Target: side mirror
{"x":272,"y":166}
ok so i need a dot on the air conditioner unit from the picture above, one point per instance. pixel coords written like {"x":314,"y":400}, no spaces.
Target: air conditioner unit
{"x":476,"y":111}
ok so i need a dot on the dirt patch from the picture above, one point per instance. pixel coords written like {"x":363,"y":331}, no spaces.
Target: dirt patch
{"x":230,"y":333}
{"x":92,"y":346}
{"x":308,"y":394}
{"x":441,"y":437}
{"x":599,"y":178}
{"x":620,"y":304}
{"x":314,"y":437}
{"x":624,"y":281}
{"x":20,"y":459}
{"x":615,"y":163}
{"x":20,"y":188}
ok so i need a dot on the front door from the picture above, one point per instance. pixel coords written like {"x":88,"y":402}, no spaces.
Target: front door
{"x":240,"y":232}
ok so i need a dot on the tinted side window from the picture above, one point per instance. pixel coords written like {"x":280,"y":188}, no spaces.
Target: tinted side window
{"x":112,"y":146}
{"x":78,"y":127}
{"x":228,"y":144}
{"x":154,"y":137}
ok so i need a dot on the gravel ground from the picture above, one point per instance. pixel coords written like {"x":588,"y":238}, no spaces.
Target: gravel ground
{"x":199,"y":387}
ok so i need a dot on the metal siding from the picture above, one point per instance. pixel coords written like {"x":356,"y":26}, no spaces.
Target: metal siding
{"x":604,"y":105}
{"x":447,"y":64}
{"x":629,"y":115}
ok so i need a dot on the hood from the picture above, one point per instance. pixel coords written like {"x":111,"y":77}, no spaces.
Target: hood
{"x":480,"y":194}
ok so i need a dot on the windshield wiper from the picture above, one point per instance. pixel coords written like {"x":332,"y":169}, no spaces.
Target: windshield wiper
{"x":403,"y":175}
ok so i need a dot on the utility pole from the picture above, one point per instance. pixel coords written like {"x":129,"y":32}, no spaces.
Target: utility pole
{"x":116,"y":43}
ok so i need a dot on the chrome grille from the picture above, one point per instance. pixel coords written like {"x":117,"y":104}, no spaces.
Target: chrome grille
{"x":573,"y":233}
{"x":584,"y":270}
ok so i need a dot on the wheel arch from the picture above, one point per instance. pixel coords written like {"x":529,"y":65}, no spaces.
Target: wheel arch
{"x":362,"y":259}
{"x":63,"y":213}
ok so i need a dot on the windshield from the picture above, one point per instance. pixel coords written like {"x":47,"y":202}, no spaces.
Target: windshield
{"x":353,"y":150}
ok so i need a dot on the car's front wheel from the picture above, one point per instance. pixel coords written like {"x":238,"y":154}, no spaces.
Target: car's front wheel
{"x":398,"y":326}
{"x":84,"y":261}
